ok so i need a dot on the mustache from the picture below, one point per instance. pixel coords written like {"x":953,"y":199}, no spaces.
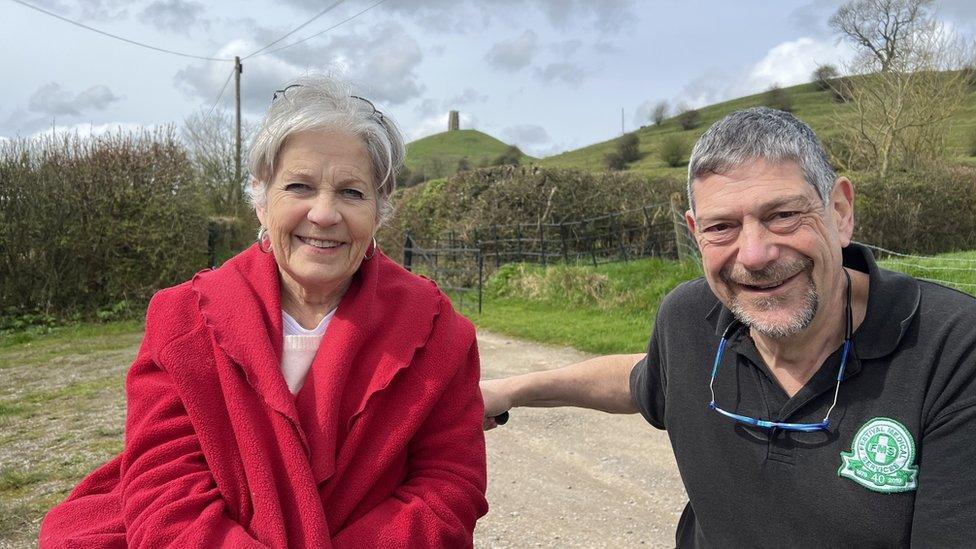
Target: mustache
{"x":774,"y":272}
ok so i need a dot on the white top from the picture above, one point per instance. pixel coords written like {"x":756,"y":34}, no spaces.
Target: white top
{"x":300,"y":348}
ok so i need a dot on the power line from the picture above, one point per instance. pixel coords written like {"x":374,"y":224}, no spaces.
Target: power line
{"x":117,"y":37}
{"x":296,"y":29}
{"x":222,"y":90}
{"x":340,"y":23}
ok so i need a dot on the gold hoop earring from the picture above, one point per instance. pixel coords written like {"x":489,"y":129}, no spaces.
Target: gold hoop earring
{"x":262,"y":238}
{"x":367,"y":256}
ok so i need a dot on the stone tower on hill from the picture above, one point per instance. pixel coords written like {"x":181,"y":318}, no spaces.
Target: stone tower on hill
{"x":453,"y":122}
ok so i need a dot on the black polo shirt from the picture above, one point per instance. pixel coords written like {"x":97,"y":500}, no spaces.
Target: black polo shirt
{"x":897,"y":466}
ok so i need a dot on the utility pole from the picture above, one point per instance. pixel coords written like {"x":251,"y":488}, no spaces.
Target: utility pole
{"x":238,"y":69}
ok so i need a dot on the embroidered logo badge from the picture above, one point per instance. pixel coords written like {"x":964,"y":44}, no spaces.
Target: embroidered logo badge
{"x":882,"y":457}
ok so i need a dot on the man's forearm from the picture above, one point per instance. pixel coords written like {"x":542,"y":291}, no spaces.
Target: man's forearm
{"x":601,"y":383}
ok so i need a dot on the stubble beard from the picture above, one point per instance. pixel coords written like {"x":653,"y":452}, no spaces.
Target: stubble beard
{"x":751,"y":314}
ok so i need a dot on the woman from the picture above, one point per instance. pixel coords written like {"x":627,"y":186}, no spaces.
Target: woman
{"x":308,"y":393}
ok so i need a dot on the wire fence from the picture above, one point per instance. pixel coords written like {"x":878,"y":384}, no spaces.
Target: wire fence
{"x":461,"y":264}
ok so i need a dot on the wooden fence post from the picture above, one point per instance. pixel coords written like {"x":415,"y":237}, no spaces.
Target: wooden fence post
{"x":562,"y":237}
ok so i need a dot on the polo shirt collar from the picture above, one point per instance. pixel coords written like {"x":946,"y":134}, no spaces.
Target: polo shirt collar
{"x":893,"y":300}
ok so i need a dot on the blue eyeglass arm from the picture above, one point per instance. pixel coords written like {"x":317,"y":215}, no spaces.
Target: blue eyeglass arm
{"x":771,"y":424}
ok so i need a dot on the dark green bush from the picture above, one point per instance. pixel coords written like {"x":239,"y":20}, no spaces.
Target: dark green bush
{"x":511,"y":157}
{"x":674,"y":150}
{"x":86,"y":224}
{"x":689,"y":119}
{"x":628,"y":146}
{"x":778,"y":98}
{"x":824,"y":75}
{"x":922,"y":213}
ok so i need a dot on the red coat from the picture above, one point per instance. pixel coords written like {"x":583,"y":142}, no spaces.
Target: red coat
{"x":215,"y":453}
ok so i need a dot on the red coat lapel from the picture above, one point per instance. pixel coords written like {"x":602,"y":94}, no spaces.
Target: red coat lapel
{"x":241,"y":303}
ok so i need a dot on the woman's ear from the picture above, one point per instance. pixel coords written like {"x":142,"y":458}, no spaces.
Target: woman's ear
{"x":259,"y":206}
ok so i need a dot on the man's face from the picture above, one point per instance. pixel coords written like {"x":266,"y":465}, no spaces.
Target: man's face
{"x":771,"y":251}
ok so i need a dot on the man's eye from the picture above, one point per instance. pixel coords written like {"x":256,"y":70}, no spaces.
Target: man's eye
{"x":718,"y":228}
{"x":784,"y":221}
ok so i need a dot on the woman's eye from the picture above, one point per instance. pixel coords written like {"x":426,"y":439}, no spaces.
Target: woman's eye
{"x":296,"y":187}
{"x":353,"y":193}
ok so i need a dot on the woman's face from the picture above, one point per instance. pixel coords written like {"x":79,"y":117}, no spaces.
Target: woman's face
{"x":321,"y":210}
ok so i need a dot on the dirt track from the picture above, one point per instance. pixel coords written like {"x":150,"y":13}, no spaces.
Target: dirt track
{"x":566,"y":477}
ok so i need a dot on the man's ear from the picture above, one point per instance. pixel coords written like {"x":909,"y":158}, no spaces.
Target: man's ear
{"x":842,"y":208}
{"x":690,"y":221}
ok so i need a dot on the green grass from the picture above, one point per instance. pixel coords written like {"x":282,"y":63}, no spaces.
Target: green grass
{"x":605,"y":309}
{"x":78,"y":332}
{"x":956,"y":270}
{"x":438,"y":155}
{"x":813,"y":106}
{"x":610,"y":308}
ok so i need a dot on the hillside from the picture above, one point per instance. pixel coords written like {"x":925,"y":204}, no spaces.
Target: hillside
{"x":438,"y":155}
{"x":812,"y":105}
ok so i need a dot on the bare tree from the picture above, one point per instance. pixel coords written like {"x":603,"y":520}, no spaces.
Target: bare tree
{"x":883,"y":30}
{"x":660,"y":112}
{"x":210,"y":139}
{"x":904,"y":115}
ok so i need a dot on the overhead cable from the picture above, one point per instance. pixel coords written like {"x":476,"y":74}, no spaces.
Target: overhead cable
{"x":117,"y":37}
{"x":296,"y":29}
{"x":222,"y":91}
{"x":340,"y":23}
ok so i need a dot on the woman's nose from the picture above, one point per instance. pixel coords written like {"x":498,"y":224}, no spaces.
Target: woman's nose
{"x":324,"y":211}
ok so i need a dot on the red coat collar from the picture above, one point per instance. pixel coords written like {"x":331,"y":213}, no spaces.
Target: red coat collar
{"x":241,"y":304}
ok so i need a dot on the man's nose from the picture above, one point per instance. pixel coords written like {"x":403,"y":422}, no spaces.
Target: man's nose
{"x":757,"y":247}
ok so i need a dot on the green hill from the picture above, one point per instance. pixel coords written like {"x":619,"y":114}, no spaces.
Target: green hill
{"x":438,"y":155}
{"x":812,"y":105}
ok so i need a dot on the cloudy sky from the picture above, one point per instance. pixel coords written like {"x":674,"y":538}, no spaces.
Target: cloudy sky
{"x":548,"y":75}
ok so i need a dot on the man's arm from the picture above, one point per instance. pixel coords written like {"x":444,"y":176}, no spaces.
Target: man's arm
{"x":601,"y":383}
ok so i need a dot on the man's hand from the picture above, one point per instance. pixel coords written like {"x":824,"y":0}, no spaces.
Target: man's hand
{"x":497,"y":400}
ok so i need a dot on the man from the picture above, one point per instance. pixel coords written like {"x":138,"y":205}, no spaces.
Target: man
{"x":811,"y":398}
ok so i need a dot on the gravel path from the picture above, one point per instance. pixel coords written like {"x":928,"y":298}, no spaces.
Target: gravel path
{"x":565,"y":477}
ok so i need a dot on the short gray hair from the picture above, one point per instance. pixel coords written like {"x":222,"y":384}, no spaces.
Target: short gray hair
{"x":326,"y":103}
{"x":761,"y":133}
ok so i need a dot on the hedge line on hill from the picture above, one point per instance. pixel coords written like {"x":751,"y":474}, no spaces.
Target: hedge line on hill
{"x":506,"y":195}
{"x":920,"y":213}
{"x":87,"y":225}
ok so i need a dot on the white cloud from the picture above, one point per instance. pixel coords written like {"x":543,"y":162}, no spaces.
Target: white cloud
{"x":381,"y":61}
{"x":526,"y":134}
{"x":178,"y":16}
{"x":95,"y":130}
{"x":565,"y":72}
{"x":52,"y":99}
{"x":786,"y":64}
{"x":791,"y":63}
{"x":515,"y":53}
{"x":466,"y":97}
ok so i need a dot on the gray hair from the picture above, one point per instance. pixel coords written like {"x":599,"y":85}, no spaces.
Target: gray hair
{"x":329,"y":104}
{"x":761,"y":133}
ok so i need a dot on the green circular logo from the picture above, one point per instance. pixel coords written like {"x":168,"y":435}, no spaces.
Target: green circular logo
{"x":882,"y":457}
